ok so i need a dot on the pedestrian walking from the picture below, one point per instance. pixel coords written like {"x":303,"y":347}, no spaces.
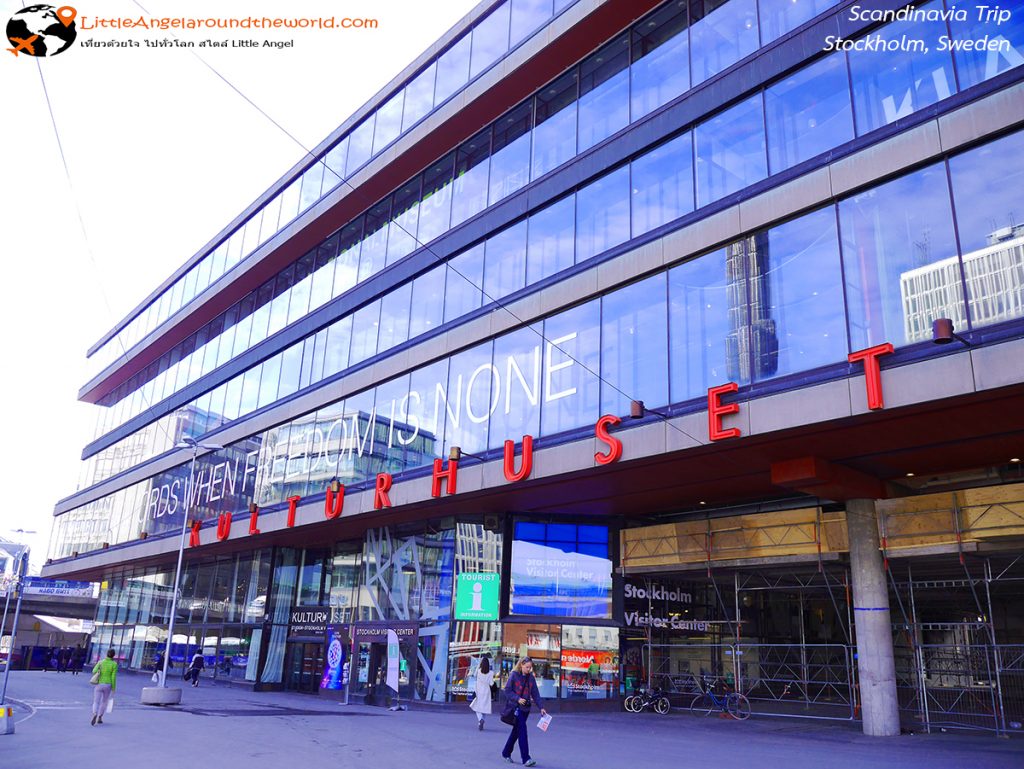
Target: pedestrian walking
{"x":78,"y":660}
{"x":520,"y":693}
{"x":481,"y":704}
{"x":195,"y":667}
{"x":104,"y":676}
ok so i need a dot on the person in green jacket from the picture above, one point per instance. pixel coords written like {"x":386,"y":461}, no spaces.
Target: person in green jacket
{"x":107,"y":671}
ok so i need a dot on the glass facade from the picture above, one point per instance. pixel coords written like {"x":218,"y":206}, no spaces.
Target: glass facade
{"x":802,"y":116}
{"x":762,"y":307}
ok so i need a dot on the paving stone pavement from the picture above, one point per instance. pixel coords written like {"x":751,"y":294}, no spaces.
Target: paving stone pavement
{"x":224,"y":726}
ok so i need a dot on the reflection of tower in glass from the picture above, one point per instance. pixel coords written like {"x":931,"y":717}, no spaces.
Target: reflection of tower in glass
{"x":995,"y":286}
{"x":477,"y":550}
{"x":751,"y":329}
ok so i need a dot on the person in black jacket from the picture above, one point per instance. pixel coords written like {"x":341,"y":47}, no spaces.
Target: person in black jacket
{"x":520,"y":693}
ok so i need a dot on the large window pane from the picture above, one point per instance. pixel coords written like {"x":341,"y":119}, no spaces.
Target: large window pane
{"x":979,"y":65}
{"x":988,"y":190}
{"x":365,"y":325}
{"x":554,"y":137}
{"x":490,"y":40}
{"x":394,"y":317}
{"x":604,"y":93}
{"x":472,"y":394}
{"x":465,"y":277}
{"x":602,"y":214}
{"x":808,"y":113}
{"x":888,"y":85}
{"x":428,"y":301}
{"x":724,"y":36}
{"x":436,"y":206}
{"x":360,"y":146}
{"x":708,"y":324}
{"x":662,"y":184}
{"x":388,"y":122}
{"x":339,"y":340}
{"x":780,"y":16}
{"x":900,"y":261}
{"x":661,"y":59}
{"x":375,"y":241}
{"x":730,"y":151}
{"x":510,"y":153}
{"x":551,"y":240}
{"x":419,"y":97}
{"x":405,"y":214}
{"x":796,"y":291}
{"x":518,"y":362}
{"x":346,"y":266}
{"x":505,"y":262}
{"x":452,"y":70}
{"x":471,"y":166}
{"x":528,"y":15}
{"x":634,"y":346}
{"x":572,"y":356}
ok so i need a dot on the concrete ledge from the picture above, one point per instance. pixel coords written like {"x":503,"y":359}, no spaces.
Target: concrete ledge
{"x":156,"y":695}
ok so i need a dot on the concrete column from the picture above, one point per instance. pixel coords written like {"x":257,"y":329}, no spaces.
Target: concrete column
{"x":875,"y":664}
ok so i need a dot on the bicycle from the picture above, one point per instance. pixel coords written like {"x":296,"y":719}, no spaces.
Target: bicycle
{"x":647,"y":698}
{"x":731,"y":703}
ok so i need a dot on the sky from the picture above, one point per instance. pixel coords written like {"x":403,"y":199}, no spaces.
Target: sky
{"x":161,"y":153}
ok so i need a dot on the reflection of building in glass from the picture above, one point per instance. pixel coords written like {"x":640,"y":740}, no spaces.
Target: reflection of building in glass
{"x":751,"y":327}
{"x":994,"y":279}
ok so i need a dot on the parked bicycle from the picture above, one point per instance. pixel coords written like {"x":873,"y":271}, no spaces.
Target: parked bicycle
{"x":648,"y":698}
{"x":730,"y":702}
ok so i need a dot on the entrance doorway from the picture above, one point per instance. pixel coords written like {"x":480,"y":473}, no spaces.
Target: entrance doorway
{"x":304,"y":667}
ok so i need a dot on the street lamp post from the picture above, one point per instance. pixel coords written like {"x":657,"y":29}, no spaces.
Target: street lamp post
{"x":186,"y":443}
{"x":19,"y":585}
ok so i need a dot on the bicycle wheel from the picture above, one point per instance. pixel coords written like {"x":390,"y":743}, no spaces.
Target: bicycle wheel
{"x":661,"y":706}
{"x":737,"y":706}
{"x":628,"y":704}
{"x":701,"y":704}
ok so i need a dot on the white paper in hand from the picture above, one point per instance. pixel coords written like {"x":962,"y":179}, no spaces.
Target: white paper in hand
{"x":543,"y":723}
{"x":110,"y":704}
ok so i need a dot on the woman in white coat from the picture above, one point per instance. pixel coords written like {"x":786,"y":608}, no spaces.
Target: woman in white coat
{"x":481,"y":703}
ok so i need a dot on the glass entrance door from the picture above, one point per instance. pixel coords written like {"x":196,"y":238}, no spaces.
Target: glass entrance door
{"x":304,"y":667}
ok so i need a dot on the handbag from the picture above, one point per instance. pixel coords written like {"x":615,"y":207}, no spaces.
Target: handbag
{"x":95,"y":678}
{"x":511,"y":710}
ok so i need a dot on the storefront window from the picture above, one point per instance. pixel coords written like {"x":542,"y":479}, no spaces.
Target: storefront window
{"x":471,"y":641}
{"x":590,"y":662}
{"x":542,"y":644}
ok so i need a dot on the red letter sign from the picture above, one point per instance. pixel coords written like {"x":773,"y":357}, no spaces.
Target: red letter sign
{"x":380,"y":492}
{"x":193,"y":537}
{"x":717,"y":410}
{"x":510,"y":460}
{"x":450,"y":475}
{"x":223,"y":526}
{"x":293,"y":503}
{"x":254,"y":514}
{"x":334,"y":502}
{"x":872,"y":372}
{"x":614,"y":453}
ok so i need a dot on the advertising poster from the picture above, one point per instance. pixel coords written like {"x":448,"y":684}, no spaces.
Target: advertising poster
{"x":584,"y":670}
{"x":336,"y":663}
{"x":547,"y":580}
